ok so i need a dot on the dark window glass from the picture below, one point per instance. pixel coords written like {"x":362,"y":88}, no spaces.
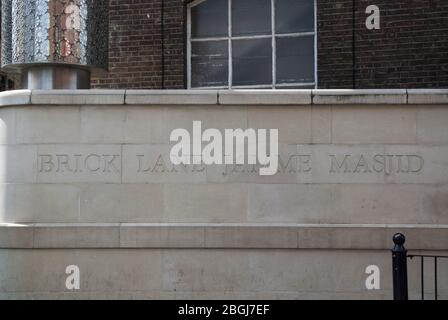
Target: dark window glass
{"x":210,"y":19}
{"x":252,"y":58}
{"x":294,"y":16}
{"x":209,"y":63}
{"x":251,"y":17}
{"x":252,"y":62}
{"x":295,"y":59}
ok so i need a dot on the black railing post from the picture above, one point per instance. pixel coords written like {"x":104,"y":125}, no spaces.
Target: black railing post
{"x":399,"y":268}
{"x":435,"y":278}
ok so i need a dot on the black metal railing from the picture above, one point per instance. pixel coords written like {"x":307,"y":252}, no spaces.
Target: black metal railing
{"x":399,"y":269}
{"x":422,"y":272}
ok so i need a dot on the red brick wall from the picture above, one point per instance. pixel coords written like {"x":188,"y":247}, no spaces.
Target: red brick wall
{"x":409,"y":51}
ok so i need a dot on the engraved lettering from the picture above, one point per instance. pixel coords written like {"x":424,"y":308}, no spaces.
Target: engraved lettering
{"x":305,"y":163}
{"x":290,"y":165}
{"x":159,"y":166}
{"x":109,"y":162}
{"x":336,"y":166}
{"x":379,"y":163}
{"x":359,"y":164}
{"x":362,"y":163}
{"x":418,"y":161}
{"x":46,"y":163}
{"x":93,"y":162}
{"x":140,"y":163}
{"x":399,"y":163}
{"x":63,"y":162}
{"x":78,"y":162}
{"x":389,"y":164}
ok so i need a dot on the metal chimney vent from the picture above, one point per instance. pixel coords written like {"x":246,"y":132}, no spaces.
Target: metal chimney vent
{"x":54,"y":44}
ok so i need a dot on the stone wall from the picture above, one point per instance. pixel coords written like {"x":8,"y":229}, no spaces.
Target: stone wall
{"x":202,"y":274}
{"x":86,"y":179}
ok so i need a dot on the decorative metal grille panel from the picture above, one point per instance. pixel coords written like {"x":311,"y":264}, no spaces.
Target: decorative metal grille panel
{"x":55,"y":31}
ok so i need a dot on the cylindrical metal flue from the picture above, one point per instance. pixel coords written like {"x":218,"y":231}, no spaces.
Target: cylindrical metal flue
{"x":54,"y":44}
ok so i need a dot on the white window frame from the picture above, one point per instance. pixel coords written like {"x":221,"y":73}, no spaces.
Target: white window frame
{"x":229,"y":38}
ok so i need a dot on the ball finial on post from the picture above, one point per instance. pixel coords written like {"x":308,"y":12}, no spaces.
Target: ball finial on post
{"x":399,"y":239}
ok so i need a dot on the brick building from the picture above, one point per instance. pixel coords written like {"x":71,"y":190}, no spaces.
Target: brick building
{"x":152,"y":43}
{"x":149,"y":45}
{"x":96,"y":203}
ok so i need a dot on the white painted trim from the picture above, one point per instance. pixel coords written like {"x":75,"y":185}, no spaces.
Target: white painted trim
{"x":261,"y":86}
{"x":280,"y":35}
{"x":295,"y":34}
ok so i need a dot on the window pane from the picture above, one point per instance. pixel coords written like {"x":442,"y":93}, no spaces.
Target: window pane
{"x":252,"y":62}
{"x":209,"y":63}
{"x":294,"y":16}
{"x":251,"y":17}
{"x":295,"y":59}
{"x":210,"y":19}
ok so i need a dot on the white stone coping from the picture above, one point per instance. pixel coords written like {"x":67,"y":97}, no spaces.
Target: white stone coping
{"x":224,"y":97}
{"x":347,"y":97}
{"x":220,"y":236}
